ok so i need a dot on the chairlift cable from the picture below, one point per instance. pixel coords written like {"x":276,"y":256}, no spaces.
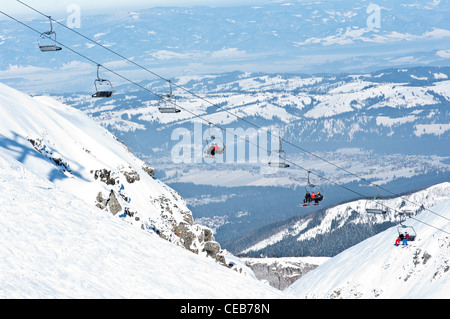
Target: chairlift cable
{"x":218,"y":126}
{"x":219,"y":107}
{"x":227,"y":111}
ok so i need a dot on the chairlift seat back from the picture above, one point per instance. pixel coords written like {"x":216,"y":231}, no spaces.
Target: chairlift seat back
{"x":103,"y":94}
{"x":49,"y":48}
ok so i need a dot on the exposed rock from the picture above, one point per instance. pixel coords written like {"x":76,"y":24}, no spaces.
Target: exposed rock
{"x":101,"y":202}
{"x":213,"y":249}
{"x":207,"y":235}
{"x":104,"y":176}
{"x":131,"y":176}
{"x":113,"y":204}
{"x":279,"y":274}
{"x":199,"y":237}
{"x":149,"y":170}
{"x":184,"y":232}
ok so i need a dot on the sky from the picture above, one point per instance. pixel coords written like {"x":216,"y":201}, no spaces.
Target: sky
{"x":13,"y":7}
{"x":339,"y":38}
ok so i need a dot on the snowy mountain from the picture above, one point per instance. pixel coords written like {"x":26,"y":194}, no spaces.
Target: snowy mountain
{"x":390,"y":127}
{"x":393,"y":110}
{"x":67,"y":148}
{"x":332,"y":230}
{"x":61,"y":238}
{"x":375,"y":268}
{"x":56,"y":245}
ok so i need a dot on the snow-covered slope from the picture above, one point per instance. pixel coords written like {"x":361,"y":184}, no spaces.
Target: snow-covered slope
{"x":375,"y":268}
{"x":55,"y":245}
{"x":339,"y":227}
{"x":62,"y":237}
{"x":66,"y":147}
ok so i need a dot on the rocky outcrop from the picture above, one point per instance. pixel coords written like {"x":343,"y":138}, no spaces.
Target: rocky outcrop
{"x":213,"y":249}
{"x":197,"y":238}
{"x":111,"y":203}
{"x":280,"y":273}
{"x":174,"y":223}
{"x":104,"y":175}
{"x":149,"y":170}
{"x":131,"y":175}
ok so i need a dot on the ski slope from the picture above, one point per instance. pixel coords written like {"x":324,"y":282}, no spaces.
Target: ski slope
{"x":54,"y":245}
{"x":57,"y":244}
{"x":66,"y":147}
{"x":375,"y":268}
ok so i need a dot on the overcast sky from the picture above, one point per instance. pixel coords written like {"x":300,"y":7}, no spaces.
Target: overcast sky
{"x":54,"y":7}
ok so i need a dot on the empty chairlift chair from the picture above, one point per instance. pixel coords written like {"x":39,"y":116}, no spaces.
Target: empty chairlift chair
{"x":277,"y":158}
{"x":375,"y":205}
{"x":103,"y":88}
{"x":47,"y":40}
{"x":167,"y":103}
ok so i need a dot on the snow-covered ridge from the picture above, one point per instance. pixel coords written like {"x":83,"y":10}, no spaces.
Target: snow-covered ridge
{"x":355,"y":109}
{"x":56,"y":245}
{"x":66,"y":147}
{"x":375,"y":268}
{"x":353,"y":213}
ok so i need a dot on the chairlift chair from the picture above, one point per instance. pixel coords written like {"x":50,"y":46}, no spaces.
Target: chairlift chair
{"x":405,"y":229}
{"x":311,"y":188}
{"x":375,"y":205}
{"x":279,"y":157}
{"x":47,"y":40}
{"x":214,"y":145}
{"x":103,"y":88}
{"x":167,"y":103}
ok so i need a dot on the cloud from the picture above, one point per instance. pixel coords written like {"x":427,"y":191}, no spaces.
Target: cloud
{"x":443,"y":54}
{"x":228,"y":53}
{"x":169,"y":55}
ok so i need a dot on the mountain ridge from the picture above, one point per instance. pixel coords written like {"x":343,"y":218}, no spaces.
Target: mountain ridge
{"x":68,"y":148}
{"x":312,"y":235}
